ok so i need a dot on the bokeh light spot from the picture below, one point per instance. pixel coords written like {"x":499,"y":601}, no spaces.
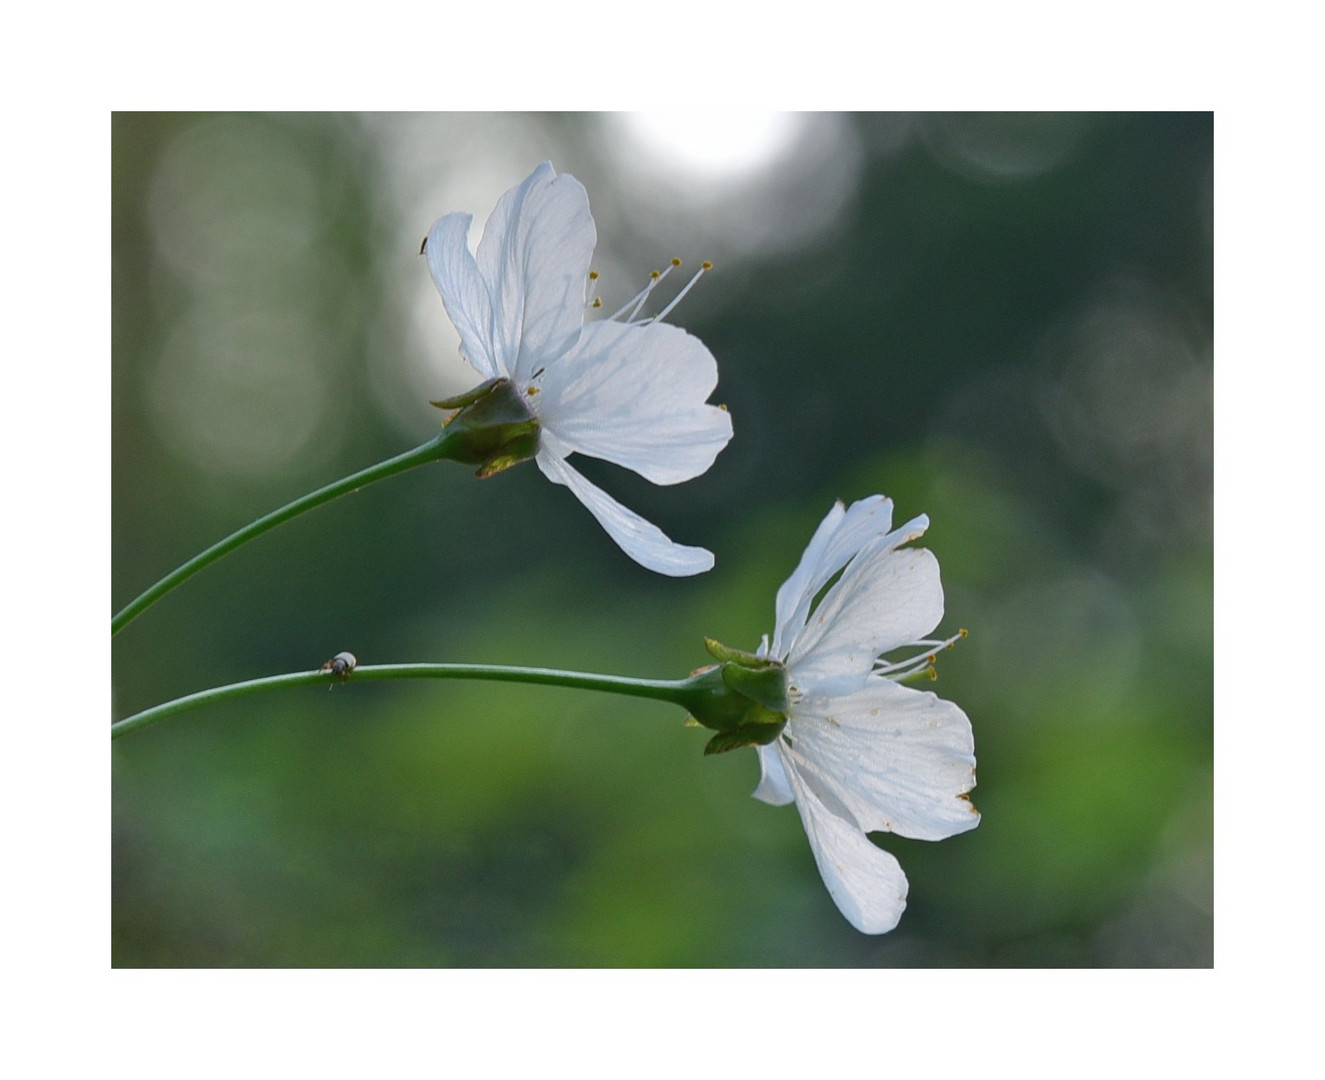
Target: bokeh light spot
{"x":239,"y":396}
{"x":711,"y":145}
{"x":736,"y":183}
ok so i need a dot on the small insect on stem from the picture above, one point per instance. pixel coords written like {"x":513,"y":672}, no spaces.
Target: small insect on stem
{"x":340,"y":665}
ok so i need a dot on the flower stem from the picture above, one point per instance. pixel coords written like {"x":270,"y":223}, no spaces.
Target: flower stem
{"x":683,"y":692}
{"x":433,"y":450}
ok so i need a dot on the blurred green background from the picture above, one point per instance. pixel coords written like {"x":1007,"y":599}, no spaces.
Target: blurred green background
{"x":1003,"y":321}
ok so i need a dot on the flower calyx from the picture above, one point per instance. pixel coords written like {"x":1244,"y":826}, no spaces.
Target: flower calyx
{"x":494,"y":427}
{"x":743,"y":698}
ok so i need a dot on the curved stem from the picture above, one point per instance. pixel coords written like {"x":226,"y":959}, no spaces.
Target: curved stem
{"x":676,"y":691}
{"x":433,"y":450}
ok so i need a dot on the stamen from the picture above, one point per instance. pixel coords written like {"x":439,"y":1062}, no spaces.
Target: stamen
{"x":916,"y":665}
{"x":704,"y":267}
{"x":638,"y":296}
{"x":654,"y":278}
{"x":903,"y":669}
{"x":637,"y":301}
{"x":920,"y":673}
{"x":590,"y":296}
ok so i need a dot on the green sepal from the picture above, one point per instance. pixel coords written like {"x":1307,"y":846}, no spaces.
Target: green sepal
{"x":767,"y":686}
{"x":760,"y":678}
{"x":756,"y":735}
{"x":744,"y":698}
{"x":727,"y":654}
{"x":519,"y":448}
{"x":467,"y":398}
{"x":494,"y":429}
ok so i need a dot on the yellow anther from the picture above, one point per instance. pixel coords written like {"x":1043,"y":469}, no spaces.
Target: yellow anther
{"x":676,"y":262}
{"x":531,"y":390}
{"x":933,"y":674}
{"x":706,"y":265}
{"x":963,"y":633}
{"x":597,"y":301}
{"x":593,"y":275}
{"x":722,"y":406}
{"x":654,"y":274}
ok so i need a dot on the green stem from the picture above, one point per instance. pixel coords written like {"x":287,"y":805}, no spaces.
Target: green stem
{"x":433,"y":450}
{"x":688,"y":693}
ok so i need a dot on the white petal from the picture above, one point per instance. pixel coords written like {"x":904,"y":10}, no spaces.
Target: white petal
{"x":774,"y":788}
{"x":865,"y":882}
{"x":899,"y":760}
{"x":635,"y":395}
{"x":841,"y":534}
{"x":535,"y":255}
{"x":795,"y":592}
{"x":464,"y":292}
{"x":886,"y":598}
{"x":641,"y":540}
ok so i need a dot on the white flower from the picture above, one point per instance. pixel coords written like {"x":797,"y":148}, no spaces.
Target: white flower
{"x":861,"y":753}
{"x":629,"y":392}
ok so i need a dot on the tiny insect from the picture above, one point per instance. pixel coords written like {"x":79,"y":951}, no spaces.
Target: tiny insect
{"x":340,"y":665}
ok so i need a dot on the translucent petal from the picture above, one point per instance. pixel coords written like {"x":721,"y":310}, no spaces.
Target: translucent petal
{"x":641,"y":540}
{"x":796,"y":588}
{"x":464,"y":292}
{"x":635,"y":395}
{"x":886,"y":598}
{"x":865,"y":882}
{"x":534,"y":256}
{"x":841,"y":534}
{"x":774,"y":787}
{"x":899,"y":760}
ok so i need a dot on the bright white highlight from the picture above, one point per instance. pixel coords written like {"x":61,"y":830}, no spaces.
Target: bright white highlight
{"x":712,"y":145}
{"x":723,"y":184}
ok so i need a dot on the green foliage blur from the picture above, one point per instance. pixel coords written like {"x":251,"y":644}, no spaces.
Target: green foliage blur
{"x":1003,"y":321}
